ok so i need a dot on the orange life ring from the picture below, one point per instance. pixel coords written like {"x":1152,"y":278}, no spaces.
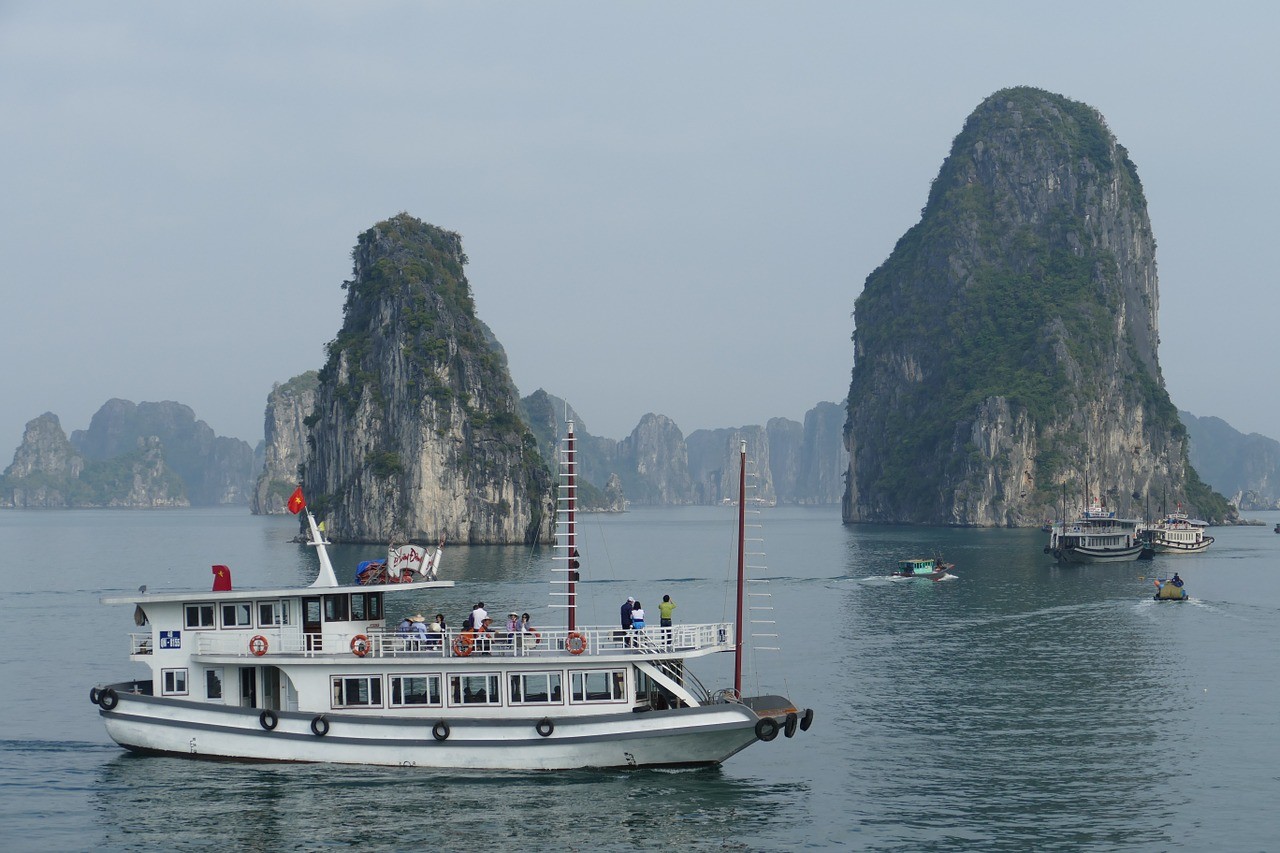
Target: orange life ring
{"x":575,"y":643}
{"x":463,"y":646}
{"x":360,"y":645}
{"x":258,"y":645}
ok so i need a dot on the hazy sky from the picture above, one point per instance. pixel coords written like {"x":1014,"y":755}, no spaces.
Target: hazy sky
{"x":668,"y":207}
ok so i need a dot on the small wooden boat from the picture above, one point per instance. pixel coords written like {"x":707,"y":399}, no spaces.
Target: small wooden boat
{"x":923,"y":568}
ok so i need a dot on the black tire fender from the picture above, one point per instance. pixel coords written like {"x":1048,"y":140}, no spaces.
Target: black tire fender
{"x":789,"y":727}
{"x":94,"y":695}
{"x":766,"y":728}
{"x":319,"y":726}
{"x":440,"y":731}
{"x":806,"y":720}
{"x":107,"y":699}
{"x":545,"y":727}
{"x":269,"y":719}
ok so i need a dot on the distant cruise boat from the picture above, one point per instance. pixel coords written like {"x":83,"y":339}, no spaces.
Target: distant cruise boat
{"x":1177,"y":534}
{"x":1097,"y":536}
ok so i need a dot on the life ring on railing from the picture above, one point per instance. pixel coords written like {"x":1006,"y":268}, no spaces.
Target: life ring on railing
{"x":268,"y":719}
{"x":258,"y":645}
{"x":545,"y":727}
{"x":440,"y":731}
{"x":107,"y":699}
{"x":575,"y":643}
{"x":360,"y":645}
{"x":766,"y":728}
{"x":94,"y":695}
{"x":319,"y":726}
{"x":463,"y":646}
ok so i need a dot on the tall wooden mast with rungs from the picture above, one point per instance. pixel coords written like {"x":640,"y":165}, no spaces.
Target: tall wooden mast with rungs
{"x":742,"y":541}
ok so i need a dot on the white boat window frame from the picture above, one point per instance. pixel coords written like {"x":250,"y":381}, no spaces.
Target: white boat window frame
{"x":517,"y":688}
{"x":329,"y":603}
{"x":338,"y":693}
{"x":396,"y":684}
{"x":578,"y":684}
{"x":199,"y":607}
{"x":173,"y":681}
{"x":279,"y":612}
{"x":493,"y":689}
{"x":242,"y":612}
{"x":214,"y":692}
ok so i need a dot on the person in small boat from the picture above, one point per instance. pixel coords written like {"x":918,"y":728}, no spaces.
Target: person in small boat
{"x":1177,"y":581}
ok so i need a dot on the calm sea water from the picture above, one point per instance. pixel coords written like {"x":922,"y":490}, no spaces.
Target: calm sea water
{"x":1019,"y":707}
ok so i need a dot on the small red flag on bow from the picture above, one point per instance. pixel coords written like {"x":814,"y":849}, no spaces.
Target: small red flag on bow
{"x":297,"y":501}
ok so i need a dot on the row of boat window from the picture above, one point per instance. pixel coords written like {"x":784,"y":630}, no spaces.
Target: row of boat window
{"x":345,"y":607}
{"x":424,"y":690}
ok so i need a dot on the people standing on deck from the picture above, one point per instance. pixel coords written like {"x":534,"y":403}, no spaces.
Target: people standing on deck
{"x":626,"y":619}
{"x":478,"y":615}
{"x":406,"y":625}
{"x":435,"y":632}
{"x":664,"y":617}
{"x":637,"y":620}
{"x":527,"y":631}
{"x":419,"y":634}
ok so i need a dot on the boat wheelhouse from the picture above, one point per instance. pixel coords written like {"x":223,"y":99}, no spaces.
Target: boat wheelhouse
{"x":317,"y":675}
{"x":1097,"y":536}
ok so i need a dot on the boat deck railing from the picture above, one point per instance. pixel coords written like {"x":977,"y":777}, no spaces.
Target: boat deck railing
{"x":584,"y":642}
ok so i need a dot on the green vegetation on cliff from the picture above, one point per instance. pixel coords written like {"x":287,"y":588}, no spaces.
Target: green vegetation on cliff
{"x":1029,"y":279}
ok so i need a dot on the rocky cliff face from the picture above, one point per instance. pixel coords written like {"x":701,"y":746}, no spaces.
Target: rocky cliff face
{"x":48,"y":472}
{"x":417,"y":430}
{"x":715,"y":456}
{"x":1006,"y":350}
{"x":653,"y":463}
{"x":214,"y":469}
{"x":824,"y":460}
{"x":285,"y":442}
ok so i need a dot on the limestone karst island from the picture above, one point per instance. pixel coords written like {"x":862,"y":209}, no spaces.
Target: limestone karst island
{"x":1005,"y":369}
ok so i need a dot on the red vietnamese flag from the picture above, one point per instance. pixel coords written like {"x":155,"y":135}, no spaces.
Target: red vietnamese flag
{"x":297,"y":501}
{"x":221,"y":579}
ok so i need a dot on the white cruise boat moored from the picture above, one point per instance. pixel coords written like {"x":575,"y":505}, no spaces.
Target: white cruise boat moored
{"x":1097,"y":536}
{"x":314,"y":674}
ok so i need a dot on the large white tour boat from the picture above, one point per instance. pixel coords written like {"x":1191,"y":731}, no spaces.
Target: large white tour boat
{"x":1097,"y":536}
{"x":315,"y":674}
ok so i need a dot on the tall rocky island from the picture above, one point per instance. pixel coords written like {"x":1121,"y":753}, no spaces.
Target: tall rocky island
{"x":1005,"y":354}
{"x":417,"y":432}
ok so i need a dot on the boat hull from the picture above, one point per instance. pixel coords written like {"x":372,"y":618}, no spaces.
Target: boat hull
{"x":704,"y":735}
{"x":1098,"y":555}
{"x":1181,"y":548}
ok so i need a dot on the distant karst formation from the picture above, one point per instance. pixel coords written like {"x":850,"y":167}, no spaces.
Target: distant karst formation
{"x":285,"y":442}
{"x":416,"y":432}
{"x":1005,"y":353}
{"x":143,"y":455}
{"x":1245,"y":467}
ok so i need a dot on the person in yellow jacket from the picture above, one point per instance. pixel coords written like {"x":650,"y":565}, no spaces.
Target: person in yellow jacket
{"x":664,"y":617}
